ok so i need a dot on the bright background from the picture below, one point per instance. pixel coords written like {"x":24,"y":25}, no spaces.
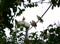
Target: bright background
{"x":51,"y":17}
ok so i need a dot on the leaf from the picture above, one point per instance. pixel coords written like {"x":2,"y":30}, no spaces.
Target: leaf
{"x":14,"y":9}
{"x":51,"y":30}
{"x":20,"y":12}
{"x":17,"y":24}
{"x":20,"y":39}
{"x":50,"y":25}
{"x":21,"y":34}
{"x":57,"y":30}
{"x":21,"y":28}
{"x":29,"y":1}
{"x":36,"y":4}
{"x":51,"y":37}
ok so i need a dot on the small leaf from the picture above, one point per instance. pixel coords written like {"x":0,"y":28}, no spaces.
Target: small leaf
{"x":50,"y":25}
{"x":57,"y":30}
{"x":51,"y":30}
{"x":21,"y":28}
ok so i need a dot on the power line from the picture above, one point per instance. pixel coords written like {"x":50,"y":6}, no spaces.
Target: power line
{"x":46,"y":10}
{"x":44,"y":13}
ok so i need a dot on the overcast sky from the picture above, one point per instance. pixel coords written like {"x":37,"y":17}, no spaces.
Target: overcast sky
{"x":51,"y":17}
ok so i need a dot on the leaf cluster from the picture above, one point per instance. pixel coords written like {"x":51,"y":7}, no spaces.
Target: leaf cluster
{"x":51,"y":35}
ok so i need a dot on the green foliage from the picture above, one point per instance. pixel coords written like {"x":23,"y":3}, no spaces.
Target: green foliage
{"x":20,"y":12}
{"x":31,"y":5}
{"x":35,"y":39}
{"x":2,"y":37}
{"x":5,"y":6}
{"x":55,"y":3}
{"x":52,"y":35}
{"x":7,"y":17}
{"x":5,"y":11}
{"x":29,"y":1}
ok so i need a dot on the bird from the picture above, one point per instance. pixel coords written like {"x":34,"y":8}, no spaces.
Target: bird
{"x":39,"y":18}
{"x":33,"y":23}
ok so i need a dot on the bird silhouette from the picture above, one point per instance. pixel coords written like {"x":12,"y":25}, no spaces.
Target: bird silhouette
{"x":40,"y":19}
{"x":33,"y":23}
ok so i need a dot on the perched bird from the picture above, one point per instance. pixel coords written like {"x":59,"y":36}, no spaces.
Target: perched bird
{"x":39,"y":18}
{"x":33,"y":23}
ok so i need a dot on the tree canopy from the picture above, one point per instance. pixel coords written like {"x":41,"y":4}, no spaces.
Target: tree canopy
{"x":51,"y":35}
{"x":7,"y":19}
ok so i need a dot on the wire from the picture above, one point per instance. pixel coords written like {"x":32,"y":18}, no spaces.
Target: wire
{"x":46,"y":10}
{"x":44,"y":13}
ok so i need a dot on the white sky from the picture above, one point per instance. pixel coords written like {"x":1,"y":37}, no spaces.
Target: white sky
{"x":51,"y":17}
